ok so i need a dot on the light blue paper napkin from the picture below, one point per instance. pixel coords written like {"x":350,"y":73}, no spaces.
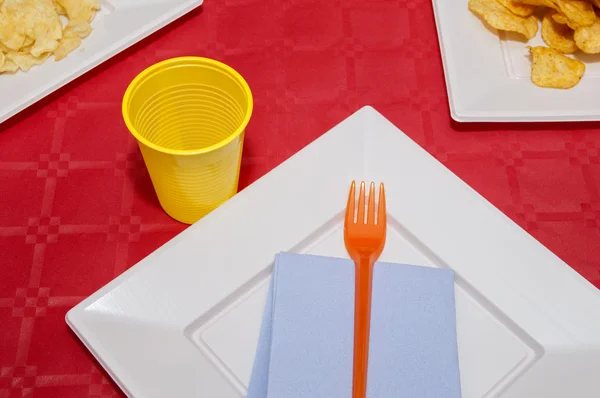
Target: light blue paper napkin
{"x":305,"y":348}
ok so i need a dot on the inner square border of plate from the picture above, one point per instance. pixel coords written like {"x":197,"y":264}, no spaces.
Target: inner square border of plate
{"x":508,"y":60}
{"x":195,"y":330}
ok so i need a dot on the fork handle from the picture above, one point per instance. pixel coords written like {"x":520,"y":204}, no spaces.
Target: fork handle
{"x":362,"y":321}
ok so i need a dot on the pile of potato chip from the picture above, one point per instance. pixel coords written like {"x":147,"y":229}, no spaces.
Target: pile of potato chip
{"x":32,"y":30}
{"x":568,"y":26}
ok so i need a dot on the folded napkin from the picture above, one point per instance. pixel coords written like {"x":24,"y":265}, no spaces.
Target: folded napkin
{"x":305,"y":349}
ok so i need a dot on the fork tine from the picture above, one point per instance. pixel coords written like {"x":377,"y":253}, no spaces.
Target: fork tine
{"x":381,"y":216}
{"x":371,"y":206}
{"x":350,"y":206}
{"x":360,"y":219}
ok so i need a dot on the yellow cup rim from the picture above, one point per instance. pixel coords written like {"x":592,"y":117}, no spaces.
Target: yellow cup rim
{"x":173,"y":61}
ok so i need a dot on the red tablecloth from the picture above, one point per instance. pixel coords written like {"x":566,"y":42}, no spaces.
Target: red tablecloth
{"x":77,"y":207}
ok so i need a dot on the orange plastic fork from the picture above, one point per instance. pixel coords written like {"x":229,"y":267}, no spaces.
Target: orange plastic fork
{"x":364,"y":242}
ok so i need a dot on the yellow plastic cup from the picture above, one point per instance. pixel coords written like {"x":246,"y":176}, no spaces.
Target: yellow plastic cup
{"x":189,"y":115}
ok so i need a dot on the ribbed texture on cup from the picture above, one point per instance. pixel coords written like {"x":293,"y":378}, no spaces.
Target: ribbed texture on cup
{"x":189,"y":117}
{"x":188,"y":114}
{"x":188,"y":192}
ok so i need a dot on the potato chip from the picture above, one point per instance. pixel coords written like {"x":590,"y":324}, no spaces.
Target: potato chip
{"x":78,"y":28}
{"x":579,"y":12}
{"x":66,"y":45}
{"x":59,"y":9}
{"x":80,"y":9}
{"x":25,"y":61}
{"x":35,"y":19}
{"x":29,"y":42}
{"x":518,"y":8}
{"x":9,"y":67}
{"x":45,"y":28}
{"x":596,"y":3}
{"x":552,"y":69}
{"x":558,"y":36}
{"x":559,"y":17}
{"x":541,"y":3}
{"x":11,"y":35}
{"x":32,"y":30}
{"x":563,"y":20}
{"x":499,"y":17}
{"x":72,"y":35}
{"x":587,"y":38}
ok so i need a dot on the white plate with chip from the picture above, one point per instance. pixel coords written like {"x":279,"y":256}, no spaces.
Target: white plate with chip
{"x":184,"y":322}
{"x":118,"y":25}
{"x":488,"y":76}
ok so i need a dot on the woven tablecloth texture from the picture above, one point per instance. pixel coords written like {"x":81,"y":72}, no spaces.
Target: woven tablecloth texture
{"x":77,"y":207}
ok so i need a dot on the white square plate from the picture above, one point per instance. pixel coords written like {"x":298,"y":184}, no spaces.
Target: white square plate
{"x":118,"y":25}
{"x":488,"y":75}
{"x":184,"y":322}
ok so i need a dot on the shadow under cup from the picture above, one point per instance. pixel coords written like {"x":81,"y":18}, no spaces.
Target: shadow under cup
{"x":188,"y":115}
